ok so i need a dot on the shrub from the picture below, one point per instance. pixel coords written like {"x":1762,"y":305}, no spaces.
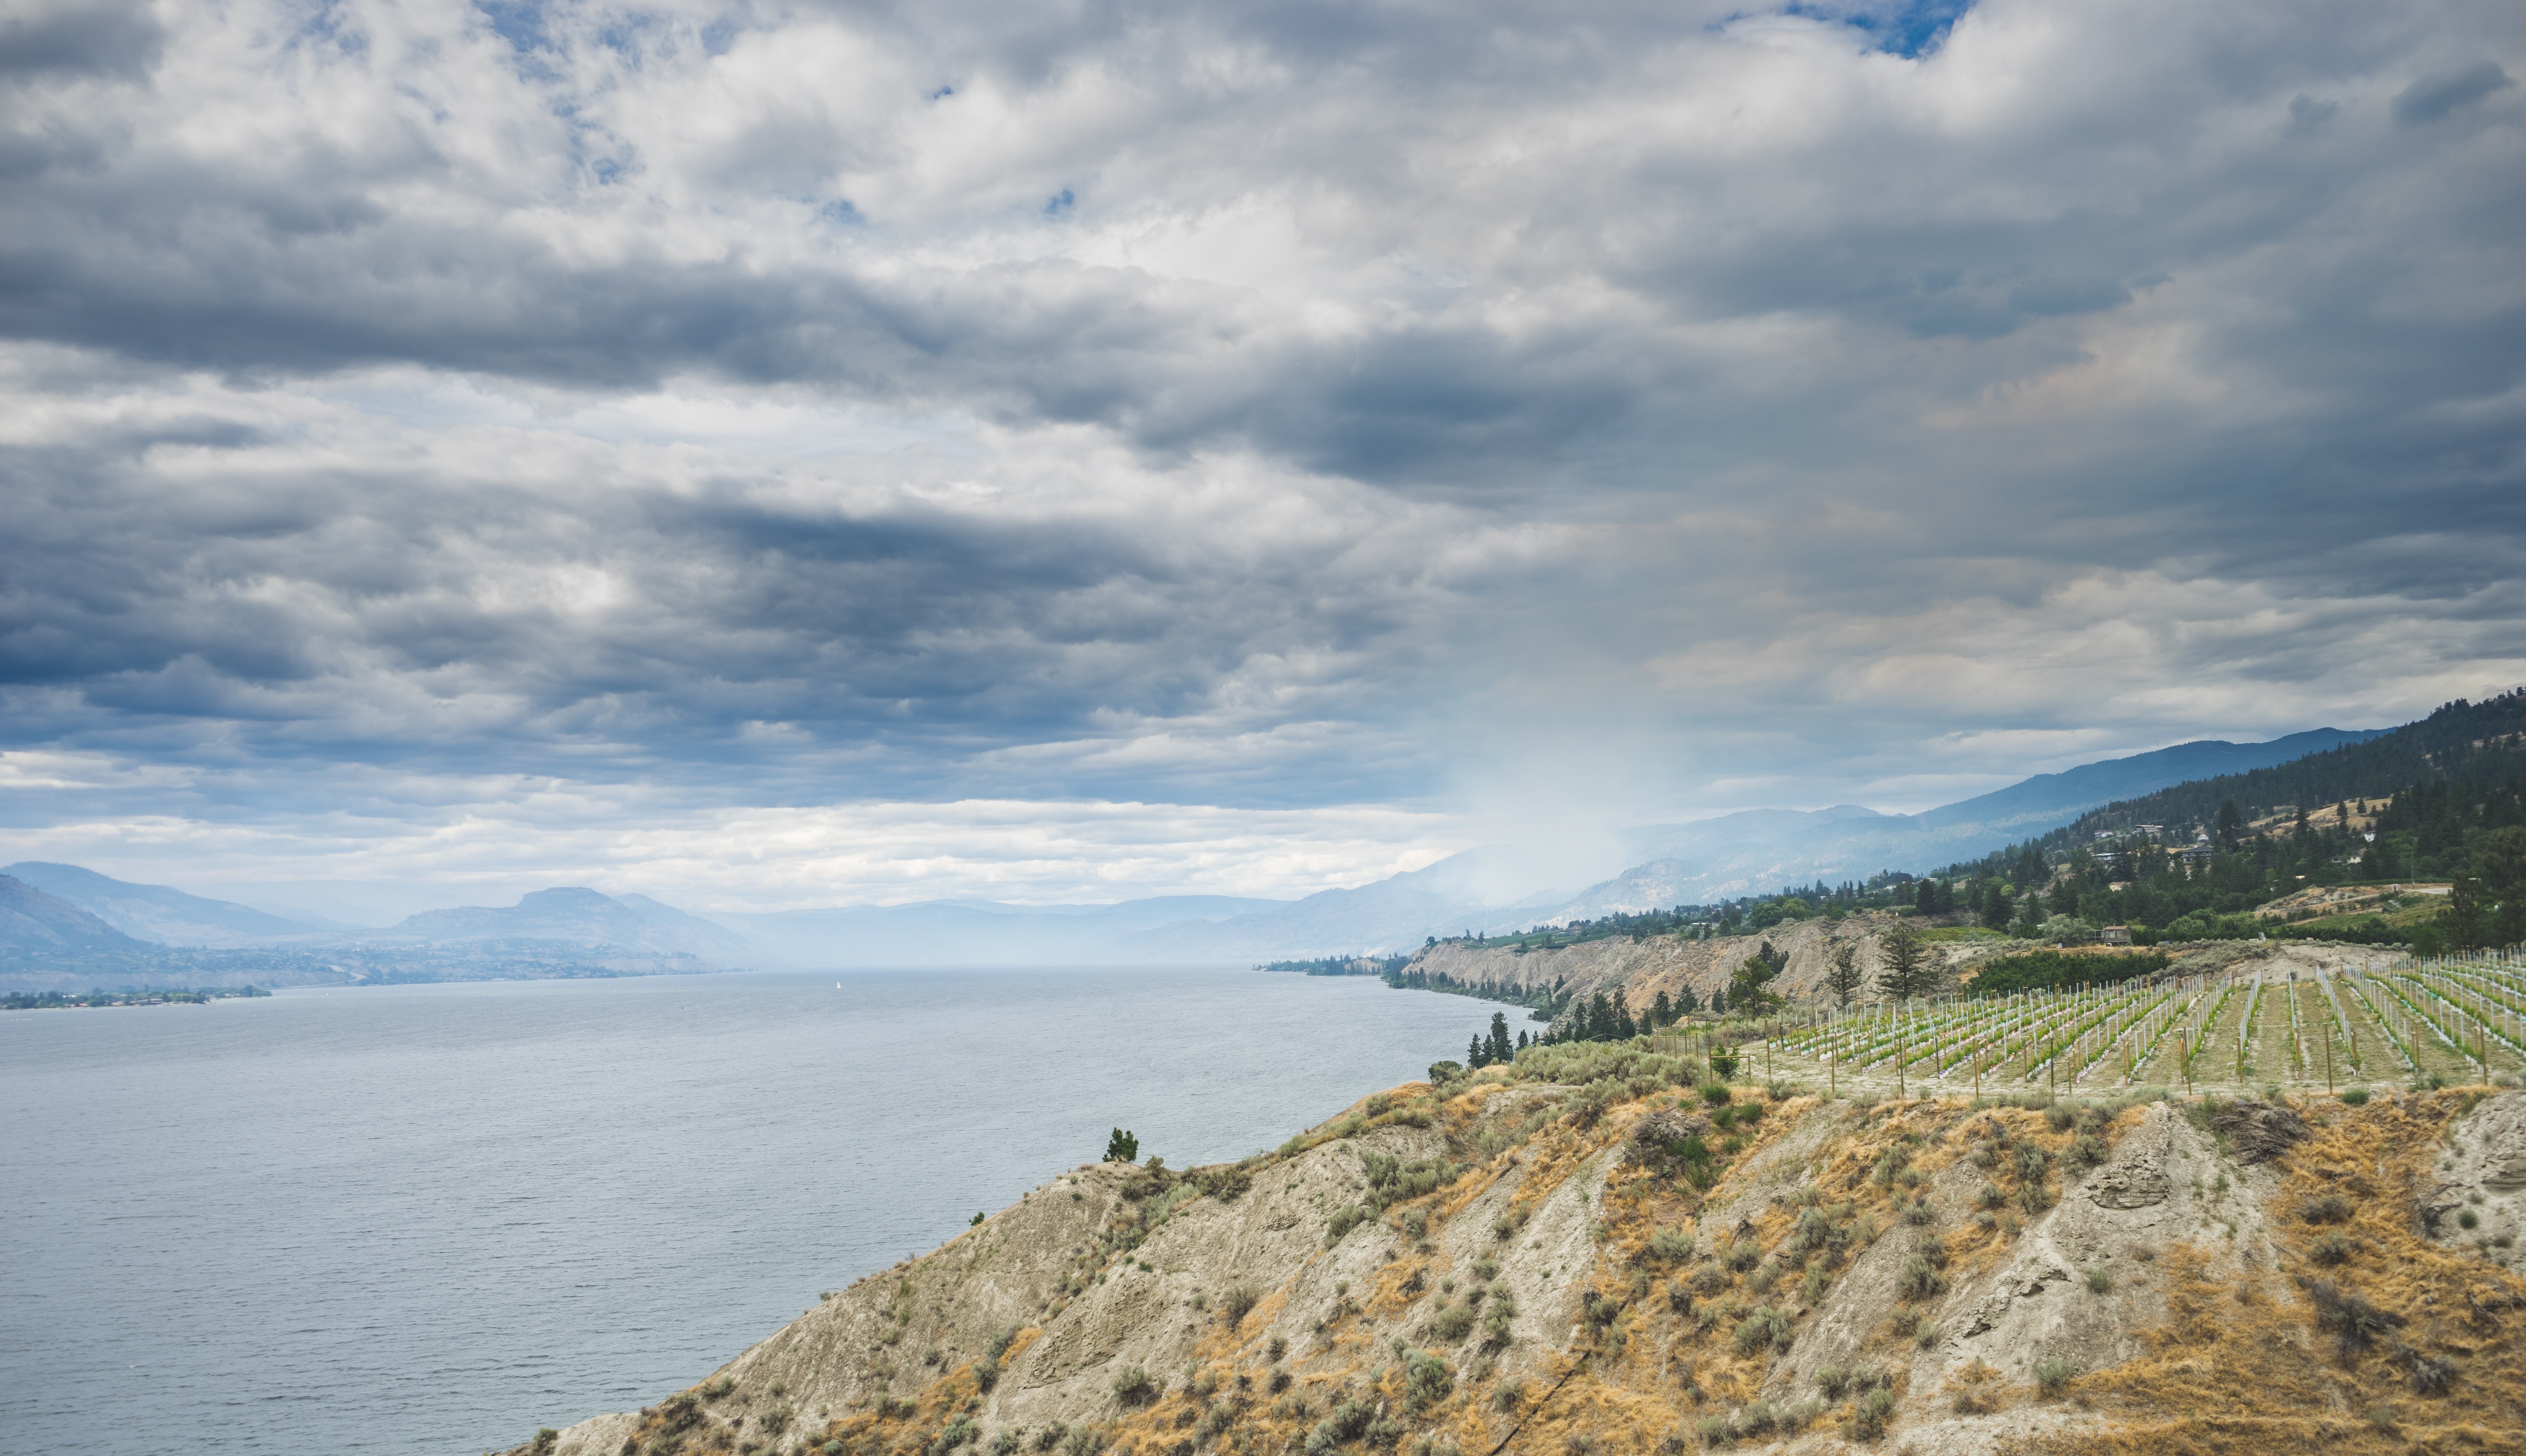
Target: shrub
{"x":2332,"y":1249}
{"x":1343,"y":1221}
{"x":1671,"y":1245}
{"x":1279,"y":1347}
{"x":1134,"y":1387}
{"x":1237,"y":1304}
{"x":2355,"y":1096}
{"x":1427,"y":1379}
{"x":1919,"y":1281}
{"x":1766,"y":1326}
{"x":1742,"y":1256}
{"x":1497,"y":1325}
{"x":2331,"y":1208}
{"x":2100,"y":1280}
{"x":2053,"y":1375}
{"x":2466,"y":1218}
{"x":1754,"y":1420}
{"x":1450,"y":1325}
{"x":2349,"y":1318}
{"x":1918,"y":1214}
{"x":1509,"y":1395}
{"x":1487,"y":1269}
{"x":2430,"y":1376}
{"x":1715,"y":1094}
{"x":1278,"y":1383}
{"x":1993,"y":1196}
{"x":1870,"y":1415}
{"x":1713,"y":1430}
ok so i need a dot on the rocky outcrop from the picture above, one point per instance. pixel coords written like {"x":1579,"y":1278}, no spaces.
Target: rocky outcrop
{"x":1585,"y":1255}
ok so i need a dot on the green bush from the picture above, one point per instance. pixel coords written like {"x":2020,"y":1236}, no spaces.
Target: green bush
{"x":2332,"y":1249}
{"x":1134,"y":1387}
{"x":2053,"y":1375}
{"x":2328,"y":1208}
{"x":1919,"y":1281}
{"x":2355,"y":1096}
{"x":1450,"y":1325}
{"x":2100,"y":1280}
{"x":1343,"y":1221}
{"x":1870,"y":1415}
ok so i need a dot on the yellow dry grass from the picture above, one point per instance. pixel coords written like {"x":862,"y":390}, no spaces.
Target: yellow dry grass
{"x":2232,"y":1374}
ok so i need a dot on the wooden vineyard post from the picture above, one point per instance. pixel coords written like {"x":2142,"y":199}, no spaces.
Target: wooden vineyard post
{"x":2184,"y":1054}
{"x":2482,"y":1050}
{"x":1898,"y":1055}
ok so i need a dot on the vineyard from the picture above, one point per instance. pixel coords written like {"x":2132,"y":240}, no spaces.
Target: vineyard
{"x":2383,"y":1019}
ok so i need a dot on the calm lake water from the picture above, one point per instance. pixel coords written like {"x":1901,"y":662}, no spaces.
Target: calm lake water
{"x":430,"y":1218}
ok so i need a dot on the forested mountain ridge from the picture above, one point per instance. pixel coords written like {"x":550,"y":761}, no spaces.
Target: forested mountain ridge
{"x":2463,"y":742}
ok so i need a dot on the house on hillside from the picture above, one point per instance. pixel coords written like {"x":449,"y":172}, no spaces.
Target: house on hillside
{"x":2115,"y":934}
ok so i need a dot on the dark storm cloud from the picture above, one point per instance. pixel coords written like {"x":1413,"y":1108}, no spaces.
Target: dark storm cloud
{"x":1386,"y":399}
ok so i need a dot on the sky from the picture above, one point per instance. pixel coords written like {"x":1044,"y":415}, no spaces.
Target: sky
{"x":768,"y":455}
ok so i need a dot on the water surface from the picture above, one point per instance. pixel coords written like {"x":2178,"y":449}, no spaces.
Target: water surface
{"x":430,"y":1218}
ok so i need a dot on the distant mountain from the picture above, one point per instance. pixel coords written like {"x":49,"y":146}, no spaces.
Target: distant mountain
{"x":33,"y":922}
{"x":1765,"y":849}
{"x":157,"y":912}
{"x":2073,"y":791}
{"x":575,"y":915}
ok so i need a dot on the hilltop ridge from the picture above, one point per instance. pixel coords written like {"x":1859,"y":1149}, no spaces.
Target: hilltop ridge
{"x":1597,"y":1250}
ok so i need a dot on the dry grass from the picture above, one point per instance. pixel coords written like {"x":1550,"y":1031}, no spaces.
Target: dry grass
{"x":2225,"y":1374}
{"x":2240,"y":1363}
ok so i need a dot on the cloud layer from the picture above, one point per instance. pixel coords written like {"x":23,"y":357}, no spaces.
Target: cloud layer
{"x":1455,"y":419}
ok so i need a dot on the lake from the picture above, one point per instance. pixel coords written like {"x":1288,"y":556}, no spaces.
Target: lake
{"x":430,"y":1218}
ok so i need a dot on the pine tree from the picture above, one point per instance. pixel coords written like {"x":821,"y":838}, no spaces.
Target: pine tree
{"x":1686,"y":1002}
{"x":1122,"y":1147}
{"x":1842,"y":973}
{"x":1498,"y":1048}
{"x":1474,"y":1054}
{"x":1522,"y":1043}
{"x":1903,"y":958}
{"x":1661,"y":1013}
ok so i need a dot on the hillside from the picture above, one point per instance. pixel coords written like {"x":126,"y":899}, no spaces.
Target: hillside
{"x":572,"y":916}
{"x":33,"y":922}
{"x":158,"y":913}
{"x":1581,"y":1254}
{"x":2474,"y":744}
{"x":1761,"y":849}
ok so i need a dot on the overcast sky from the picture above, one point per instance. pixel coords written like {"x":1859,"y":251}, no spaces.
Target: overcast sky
{"x":778,"y":454}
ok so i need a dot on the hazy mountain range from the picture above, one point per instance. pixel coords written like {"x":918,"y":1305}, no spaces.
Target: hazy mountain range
{"x":49,"y":911}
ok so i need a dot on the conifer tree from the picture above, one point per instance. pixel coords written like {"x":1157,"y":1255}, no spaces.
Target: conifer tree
{"x":1661,"y":1013}
{"x":1903,"y":957}
{"x":1842,"y":973}
{"x":1474,"y":1054}
{"x":1122,"y":1147}
{"x":1498,"y":1048}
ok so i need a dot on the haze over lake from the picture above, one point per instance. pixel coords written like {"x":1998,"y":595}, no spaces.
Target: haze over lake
{"x":430,"y":1218}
